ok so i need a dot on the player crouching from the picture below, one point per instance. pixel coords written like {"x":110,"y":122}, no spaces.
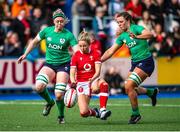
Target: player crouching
{"x":85,"y":72}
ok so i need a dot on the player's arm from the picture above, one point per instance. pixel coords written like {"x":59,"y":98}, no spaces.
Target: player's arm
{"x":146,"y":34}
{"x":29,"y":48}
{"x":110,"y":52}
{"x":72,"y":74}
{"x":97,"y":71}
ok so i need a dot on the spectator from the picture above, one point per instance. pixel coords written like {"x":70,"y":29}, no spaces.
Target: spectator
{"x":21,"y":26}
{"x":146,"y":21}
{"x":95,"y":43}
{"x":12,"y":46}
{"x":104,"y":5}
{"x":115,"y":6}
{"x":81,"y":8}
{"x":92,"y":5}
{"x":37,"y":21}
{"x":158,"y":12}
{"x":157,"y":40}
{"x":115,"y":81}
{"x":134,"y":7}
{"x":19,"y":5}
{"x":98,"y":27}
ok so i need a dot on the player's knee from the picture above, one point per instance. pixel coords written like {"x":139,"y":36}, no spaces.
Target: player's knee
{"x":39,"y":87}
{"x":128,"y":87}
{"x":41,"y":82}
{"x":59,"y":95}
{"x":104,"y":87}
{"x":84,"y":113}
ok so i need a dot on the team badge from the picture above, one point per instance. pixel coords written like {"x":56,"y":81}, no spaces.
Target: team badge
{"x":62,"y":41}
{"x":80,"y":89}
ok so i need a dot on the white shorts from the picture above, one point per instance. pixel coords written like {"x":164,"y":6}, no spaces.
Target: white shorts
{"x":84,"y":88}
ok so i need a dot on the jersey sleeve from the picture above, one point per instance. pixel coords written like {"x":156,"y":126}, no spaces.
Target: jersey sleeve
{"x":138,"y":29}
{"x":97,"y":57}
{"x":72,"y":40}
{"x":119,"y":41}
{"x":41,"y":34}
{"x":74,"y":60}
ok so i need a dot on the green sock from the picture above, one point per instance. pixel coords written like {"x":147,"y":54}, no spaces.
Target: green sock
{"x":135,"y":111}
{"x":60,"y":105}
{"x":150,"y":92}
{"x":45,"y":95}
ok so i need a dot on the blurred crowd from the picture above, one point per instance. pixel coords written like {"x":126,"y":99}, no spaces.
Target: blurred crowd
{"x":20,"y":20}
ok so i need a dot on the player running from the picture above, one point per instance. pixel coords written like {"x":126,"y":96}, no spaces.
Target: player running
{"x":142,"y":63}
{"x":57,"y":63}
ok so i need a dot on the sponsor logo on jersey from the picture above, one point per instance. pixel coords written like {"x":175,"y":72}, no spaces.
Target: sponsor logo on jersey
{"x":87,"y":67}
{"x":54,"y":46}
{"x":49,"y":38}
{"x":131,"y":44}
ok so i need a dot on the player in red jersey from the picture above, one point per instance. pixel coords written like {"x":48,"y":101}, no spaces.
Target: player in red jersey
{"x":85,"y":72}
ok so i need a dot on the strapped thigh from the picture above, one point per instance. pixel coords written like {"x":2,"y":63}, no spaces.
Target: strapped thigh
{"x":42,"y":78}
{"x":60,"y":87}
{"x":135,"y":78}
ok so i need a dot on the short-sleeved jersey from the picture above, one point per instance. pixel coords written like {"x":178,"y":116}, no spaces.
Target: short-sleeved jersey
{"x":57,"y":44}
{"x":138,"y":47}
{"x":85,"y":64}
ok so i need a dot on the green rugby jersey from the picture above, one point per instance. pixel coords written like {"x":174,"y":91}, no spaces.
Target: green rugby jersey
{"x":138,"y":47}
{"x":57,"y":44}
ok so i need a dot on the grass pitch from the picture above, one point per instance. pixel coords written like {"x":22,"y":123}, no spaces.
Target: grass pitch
{"x":26,"y":116}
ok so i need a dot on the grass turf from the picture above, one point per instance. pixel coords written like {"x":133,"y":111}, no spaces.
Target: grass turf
{"x":26,"y":116}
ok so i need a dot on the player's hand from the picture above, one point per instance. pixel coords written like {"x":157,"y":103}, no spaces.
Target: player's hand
{"x":132,"y":35}
{"x":73,"y":85}
{"x":21,"y":58}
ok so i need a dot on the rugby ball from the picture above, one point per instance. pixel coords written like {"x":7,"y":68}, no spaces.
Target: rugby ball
{"x":70,"y":98}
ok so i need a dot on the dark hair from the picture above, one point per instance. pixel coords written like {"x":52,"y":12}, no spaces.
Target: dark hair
{"x":126,"y":15}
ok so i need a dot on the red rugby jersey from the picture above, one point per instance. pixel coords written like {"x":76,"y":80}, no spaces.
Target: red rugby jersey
{"x":85,"y":64}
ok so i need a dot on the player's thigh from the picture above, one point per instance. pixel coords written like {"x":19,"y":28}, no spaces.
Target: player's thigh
{"x":83,"y":103}
{"x":62,"y":77}
{"x":141,"y":73}
{"x":47,"y":71}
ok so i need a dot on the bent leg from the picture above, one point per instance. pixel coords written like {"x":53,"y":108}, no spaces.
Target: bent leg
{"x":83,"y":103}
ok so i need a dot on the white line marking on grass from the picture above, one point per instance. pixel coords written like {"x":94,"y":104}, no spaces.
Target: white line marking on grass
{"x":119,"y":104}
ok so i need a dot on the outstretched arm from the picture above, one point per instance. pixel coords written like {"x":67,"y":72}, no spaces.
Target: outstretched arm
{"x":30,"y":46}
{"x":110,"y":52}
{"x":144,"y":35}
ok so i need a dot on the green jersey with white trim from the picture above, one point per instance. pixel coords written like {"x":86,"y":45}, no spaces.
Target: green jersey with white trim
{"x":57,"y":45}
{"x":138,"y":47}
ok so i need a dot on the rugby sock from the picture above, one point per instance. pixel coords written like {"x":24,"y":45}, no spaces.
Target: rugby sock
{"x":45,"y":95}
{"x":92,"y":112}
{"x":60,"y":105}
{"x":150,"y":92}
{"x":103,"y":95}
{"x":135,"y":111}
